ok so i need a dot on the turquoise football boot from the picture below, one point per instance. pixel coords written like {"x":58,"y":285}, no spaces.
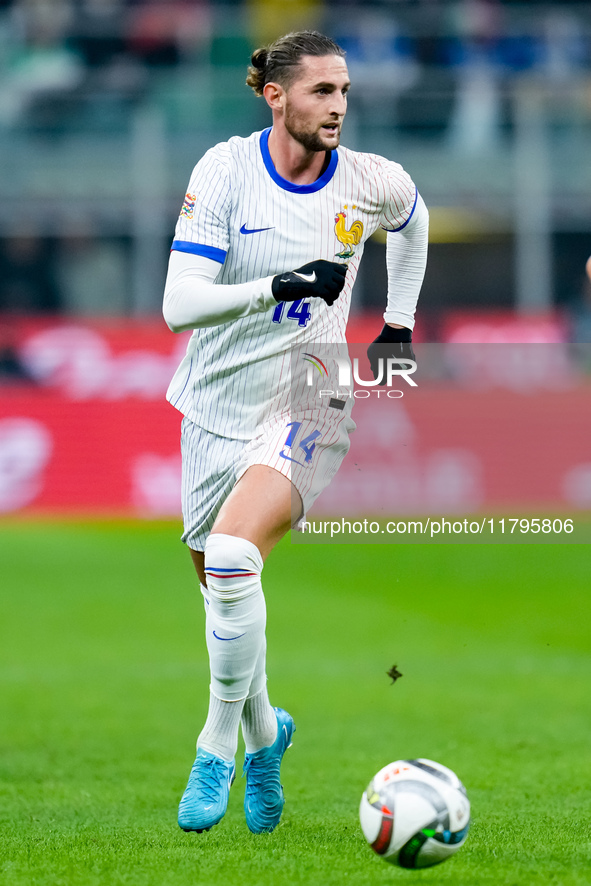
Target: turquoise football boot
{"x":205,"y":800}
{"x":264,"y":800}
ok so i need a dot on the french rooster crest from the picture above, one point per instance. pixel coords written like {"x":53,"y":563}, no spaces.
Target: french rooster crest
{"x":348,"y":237}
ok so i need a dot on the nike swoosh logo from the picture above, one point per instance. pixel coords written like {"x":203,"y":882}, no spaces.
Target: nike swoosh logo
{"x":306,"y":278}
{"x":245,"y":230}
{"x":227,"y":638}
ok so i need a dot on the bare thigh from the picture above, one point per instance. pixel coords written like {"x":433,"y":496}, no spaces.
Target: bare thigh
{"x":261,"y":508}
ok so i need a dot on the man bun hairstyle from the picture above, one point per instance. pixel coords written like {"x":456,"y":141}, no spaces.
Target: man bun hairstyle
{"x":278,"y":62}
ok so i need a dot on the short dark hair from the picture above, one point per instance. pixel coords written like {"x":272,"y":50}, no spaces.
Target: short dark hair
{"x":277,"y":62}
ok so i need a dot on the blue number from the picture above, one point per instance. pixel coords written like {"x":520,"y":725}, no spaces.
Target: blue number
{"x":295,"y":426}
{"x":278,"y":312}
{"x":307,"y":445}
{"x":298,"y":310}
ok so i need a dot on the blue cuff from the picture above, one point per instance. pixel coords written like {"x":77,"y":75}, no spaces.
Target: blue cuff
{"x":412,"y":212}
{"x":200,"y":249}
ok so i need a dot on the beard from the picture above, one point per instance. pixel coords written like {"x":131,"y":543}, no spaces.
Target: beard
{"x":311,"y":141}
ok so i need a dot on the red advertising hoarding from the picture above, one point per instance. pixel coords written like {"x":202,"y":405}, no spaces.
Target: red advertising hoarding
{"x":90,"y":432}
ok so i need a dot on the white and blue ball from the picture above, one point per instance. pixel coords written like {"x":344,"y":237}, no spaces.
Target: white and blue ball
{"x":415,"y":813}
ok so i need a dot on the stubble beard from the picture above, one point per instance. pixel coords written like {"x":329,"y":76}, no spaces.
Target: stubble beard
{"x":311,"y":141}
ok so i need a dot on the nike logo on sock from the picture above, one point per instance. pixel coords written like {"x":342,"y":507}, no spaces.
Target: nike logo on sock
{"x":227,"y":638}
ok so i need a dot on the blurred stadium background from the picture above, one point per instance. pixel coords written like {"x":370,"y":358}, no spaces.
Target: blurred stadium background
{"x":105,"y":107}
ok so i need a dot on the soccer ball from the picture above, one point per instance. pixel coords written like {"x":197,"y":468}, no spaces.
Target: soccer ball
{"x":415,"y":813}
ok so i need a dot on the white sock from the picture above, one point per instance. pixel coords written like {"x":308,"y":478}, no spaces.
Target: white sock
{"x":259,"y":722}
{"x":219,"y":736}
{"x":235,"y":634}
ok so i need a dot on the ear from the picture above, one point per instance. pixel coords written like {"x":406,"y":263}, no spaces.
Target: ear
{"x":274,"y":96}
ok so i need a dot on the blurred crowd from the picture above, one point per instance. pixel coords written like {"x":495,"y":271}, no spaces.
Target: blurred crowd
{"x":59,"y":58}
{"x":54,"y":53}
{"x":434,"y":67}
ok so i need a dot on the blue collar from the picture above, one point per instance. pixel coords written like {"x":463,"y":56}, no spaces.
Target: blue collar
{"x":289,"y":186}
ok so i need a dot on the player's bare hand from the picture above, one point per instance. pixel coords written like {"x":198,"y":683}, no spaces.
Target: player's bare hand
{"x":396,"y":343}
{"x":318,"y":279}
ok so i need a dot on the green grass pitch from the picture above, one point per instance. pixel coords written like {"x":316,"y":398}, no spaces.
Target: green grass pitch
{"x":103,"y":688}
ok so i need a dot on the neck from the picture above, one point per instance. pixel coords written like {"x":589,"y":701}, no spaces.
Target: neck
{"x":293,"y":161}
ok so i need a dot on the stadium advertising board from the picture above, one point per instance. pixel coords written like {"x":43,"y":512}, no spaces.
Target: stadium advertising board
{"x":500,"y":431}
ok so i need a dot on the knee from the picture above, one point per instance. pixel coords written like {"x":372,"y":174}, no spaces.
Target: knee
{"x":233,"y":566}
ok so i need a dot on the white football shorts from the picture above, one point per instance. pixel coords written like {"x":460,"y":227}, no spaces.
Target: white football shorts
{"x":307,"y":448}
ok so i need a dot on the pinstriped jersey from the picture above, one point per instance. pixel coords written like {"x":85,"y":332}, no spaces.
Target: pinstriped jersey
{"x":240,"y":212}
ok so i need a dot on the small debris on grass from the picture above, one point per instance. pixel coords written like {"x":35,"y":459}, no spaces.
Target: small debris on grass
{"x":394,"y":673}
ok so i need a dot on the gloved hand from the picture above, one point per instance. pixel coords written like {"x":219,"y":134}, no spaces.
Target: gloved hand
{"x":318,"y":279}
{"x":390,"y":343}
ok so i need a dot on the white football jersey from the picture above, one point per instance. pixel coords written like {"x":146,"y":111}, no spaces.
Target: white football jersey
{"x":240,"y":212}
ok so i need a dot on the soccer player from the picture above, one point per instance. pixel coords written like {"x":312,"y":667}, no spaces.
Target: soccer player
{"x":265,"y":254}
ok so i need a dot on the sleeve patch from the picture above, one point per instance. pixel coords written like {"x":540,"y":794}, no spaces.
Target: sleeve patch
{"x":188,"y":207}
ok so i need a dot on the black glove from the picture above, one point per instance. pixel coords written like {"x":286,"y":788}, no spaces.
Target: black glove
{"x":390,"y":343}
{"x":318,"y":279}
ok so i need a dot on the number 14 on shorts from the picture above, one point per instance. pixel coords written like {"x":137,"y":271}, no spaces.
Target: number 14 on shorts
{"x":306,"y":445}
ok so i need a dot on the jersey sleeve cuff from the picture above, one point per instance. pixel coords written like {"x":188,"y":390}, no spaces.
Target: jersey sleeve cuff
{"x":203,"y":249}
{"x":404,"y":224}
